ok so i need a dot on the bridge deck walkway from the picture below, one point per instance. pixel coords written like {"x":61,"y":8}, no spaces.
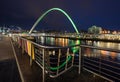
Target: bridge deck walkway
{"x":8,"y":67}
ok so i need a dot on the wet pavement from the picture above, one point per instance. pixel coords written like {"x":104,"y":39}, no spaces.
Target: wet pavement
{"x":6,"y":51}
{"x":9,"y":71}
{"x":8,"y":67}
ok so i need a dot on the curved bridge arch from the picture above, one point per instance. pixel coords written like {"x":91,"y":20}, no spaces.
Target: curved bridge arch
{"x":54,"y":9}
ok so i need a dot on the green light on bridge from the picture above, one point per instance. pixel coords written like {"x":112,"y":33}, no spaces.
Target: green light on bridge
{"x":54,"y":9}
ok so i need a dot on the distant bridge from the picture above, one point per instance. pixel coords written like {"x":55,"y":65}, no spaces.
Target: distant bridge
{"x":54,"y":9}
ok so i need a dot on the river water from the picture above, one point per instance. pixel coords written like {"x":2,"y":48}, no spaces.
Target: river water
{"x":87,"y":51}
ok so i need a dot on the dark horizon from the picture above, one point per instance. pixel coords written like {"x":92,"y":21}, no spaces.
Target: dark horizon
{"x":85,"y":13}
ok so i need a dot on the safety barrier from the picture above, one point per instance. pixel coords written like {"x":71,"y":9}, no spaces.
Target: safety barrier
{"x":102,"y":66}
{"x":54,"y":61}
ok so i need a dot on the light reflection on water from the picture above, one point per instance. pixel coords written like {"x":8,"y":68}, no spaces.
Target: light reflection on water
{"x":87,"y":51}
{"x":108,"y":45}
{"x":102,"y":54}
{"x":118,"y":56}
{"x":60,"y":41}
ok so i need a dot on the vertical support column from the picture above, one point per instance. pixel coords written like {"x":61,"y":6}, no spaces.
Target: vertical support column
{"x":18,"y":41}
{"x":67,"y":58}
{"x":99,"y":64}
{"x":47,"y":59}
{"x":79,"y":69}
{"x":31,"y":54}
{"x":23,"y":46}
{"x":43,"y":69}
{"x":73,"y":56}
{"x":58,"y":60}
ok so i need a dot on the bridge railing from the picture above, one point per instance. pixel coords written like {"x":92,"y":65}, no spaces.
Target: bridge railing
{"x":53,"y":60}
{"x":104,"y":62}
{"x":56,"y":60}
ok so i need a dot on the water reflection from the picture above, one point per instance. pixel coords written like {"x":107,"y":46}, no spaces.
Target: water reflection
{"x":104,"y":54}
{"x":108,"y":45}
{"x":86,"y":51}
{"x":118,"y":56}
{"x":101,"y":54}
{"x":61,"y":41}
{"x":113,"y":55}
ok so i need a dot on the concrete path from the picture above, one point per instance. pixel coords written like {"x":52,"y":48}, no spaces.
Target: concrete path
{"x":8,"y":67}
{"x":6,"y":51}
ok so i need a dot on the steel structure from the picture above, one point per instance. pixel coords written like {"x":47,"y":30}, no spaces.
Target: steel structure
{"x":54,"y":61}
{"x":53,"y":9}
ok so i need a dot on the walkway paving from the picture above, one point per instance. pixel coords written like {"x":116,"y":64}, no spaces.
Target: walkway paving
{"x":8,"y":66}
{"x":6,"y":51}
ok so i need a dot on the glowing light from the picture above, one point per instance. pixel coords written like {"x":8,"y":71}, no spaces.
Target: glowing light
{"x":54,"y":9}
{"x":105,"y":53}
{"x":113,"y":55}
{"x":75,"y":49}
{"x":63,"y":64}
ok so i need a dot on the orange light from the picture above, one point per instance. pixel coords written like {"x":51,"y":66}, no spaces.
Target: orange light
{"x":113,"y":55}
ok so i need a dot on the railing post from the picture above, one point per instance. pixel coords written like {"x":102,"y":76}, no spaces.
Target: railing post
{"x":79,"y":69}
{"x":43,"y":69}
{"x":67,"y":58}
{"x":58,"y":60}
{"x":100,"y":65}
{"x":73,"y":57}
{"x":31,"y":54}
{"x":19,"y":42}
{"x":23,"y":47}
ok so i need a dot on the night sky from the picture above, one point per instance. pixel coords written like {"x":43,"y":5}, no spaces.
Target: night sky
{"x":85,"y":13}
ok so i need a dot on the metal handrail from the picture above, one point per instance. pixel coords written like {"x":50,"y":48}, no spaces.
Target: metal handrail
{"x":108,"y":60}
{"x":50,"y":47}
{"x":110,"y":76}
{"x":102,"y":68}
{"x":103,"y":63}
{"x":100,"y":48}
{"x":99,"y":70}
{"x":86,"y":46}
{"x":42,"y":62}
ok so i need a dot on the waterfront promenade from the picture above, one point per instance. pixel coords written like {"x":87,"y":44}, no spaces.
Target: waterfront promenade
{"x":34,"y":73}
{"x":9,"y":71}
